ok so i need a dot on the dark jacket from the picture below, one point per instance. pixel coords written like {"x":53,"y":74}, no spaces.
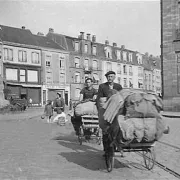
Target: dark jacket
{"x":105,"y":91}
{"x":59,"y":105}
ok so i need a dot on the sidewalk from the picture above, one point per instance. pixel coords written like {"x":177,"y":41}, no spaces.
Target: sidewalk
{"x":171,"y":114}
{"x":28,"y":114}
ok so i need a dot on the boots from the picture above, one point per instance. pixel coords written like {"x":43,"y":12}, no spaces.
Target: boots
{"x":105,"y":144}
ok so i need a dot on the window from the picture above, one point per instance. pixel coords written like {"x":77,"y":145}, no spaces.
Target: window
{"x":125,"y":82}
{"x":125,"y":69}
{"x":109,"y":66}
{"x":32,"y":76}
{"x":95,"y":65}
{"x":22,"y":56}
{"x":130,"y":83}
{"x":35,"y":57}
{"x":149,"y":77}
{"x":119,"y":69}
{"x":94,"y":50}
{"x":8,"y":54}
{"x":86,"y":48}
{"x":118,"y":55}
{"x":86,"y":64}
{"x":48,"y":61}
{"x":140,"y":83}
{"x":76,"y":62}
{"x":124,"y":56}
{"x":76,"y":46}
{"x":130,"y":57}
{"x":61,"y":63}
{"x":22,"y":75}
{"x":130,"y":71}
{"x":140,"y":73}
{"x":48,"y":77}
{"x":119,"y":80}
{"x":77,"y":93}
{"x":62,"y":78}
{"x":11,"y":74}
{"x":77,"y":77}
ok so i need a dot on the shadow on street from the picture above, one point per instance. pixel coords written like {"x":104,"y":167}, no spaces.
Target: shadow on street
{"x":83,"y":155}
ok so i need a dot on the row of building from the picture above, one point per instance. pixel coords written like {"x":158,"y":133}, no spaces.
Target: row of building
{"x":39,"y":66}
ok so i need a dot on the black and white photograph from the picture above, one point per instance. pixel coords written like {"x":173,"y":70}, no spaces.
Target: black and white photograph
{"x":89,"y":90}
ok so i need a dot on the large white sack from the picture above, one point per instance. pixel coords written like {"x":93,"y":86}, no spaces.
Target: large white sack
{"x":86,"y":108}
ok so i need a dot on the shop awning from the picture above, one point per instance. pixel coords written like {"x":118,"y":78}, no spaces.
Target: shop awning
{"x":23,"y":85}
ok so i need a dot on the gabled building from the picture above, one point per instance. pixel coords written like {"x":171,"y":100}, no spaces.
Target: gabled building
{"x":83,"y":60}
{"x":21,"y":58}
{"x":54,"y":69}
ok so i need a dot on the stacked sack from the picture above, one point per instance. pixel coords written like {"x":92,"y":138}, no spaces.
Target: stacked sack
{"x":86,"y":108}
{"x":137,"y":114}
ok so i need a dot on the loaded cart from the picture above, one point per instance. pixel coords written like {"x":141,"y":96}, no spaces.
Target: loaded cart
{"x":135,"y":124}
{"x":147,"y":149}
{"x":89,"y":129}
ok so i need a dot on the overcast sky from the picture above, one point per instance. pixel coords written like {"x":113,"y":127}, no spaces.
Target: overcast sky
{"x":135,"y":24}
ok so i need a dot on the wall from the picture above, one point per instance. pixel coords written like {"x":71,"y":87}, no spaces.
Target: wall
{"x":170,"y":22}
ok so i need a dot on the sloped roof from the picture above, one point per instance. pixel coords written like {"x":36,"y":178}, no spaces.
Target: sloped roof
{"x":43,"y":41}
{"x":58,"y":39}
{"x":17,"y":35}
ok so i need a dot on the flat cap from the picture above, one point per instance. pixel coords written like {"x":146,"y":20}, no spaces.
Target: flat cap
{"x":110,"y":72}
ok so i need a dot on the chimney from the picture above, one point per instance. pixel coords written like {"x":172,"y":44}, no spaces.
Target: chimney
{"x":122,"y":46}
{"x":88,"y":36}
{"x":51,"y":30}
{"x":93,"y":38}
{"x":40,"y":34}
{"x":114,"y":44}
{"x":82,"y":35}
{"x":106,"y":42}
{"x":23,"y":27}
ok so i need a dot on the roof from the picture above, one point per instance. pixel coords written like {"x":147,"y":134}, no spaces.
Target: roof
{"x":17,"y":35}
{"x":58,"y":39}
{"x":43,"y":41}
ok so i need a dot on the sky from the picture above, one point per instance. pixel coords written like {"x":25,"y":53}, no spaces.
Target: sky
{"x":135,"y":24}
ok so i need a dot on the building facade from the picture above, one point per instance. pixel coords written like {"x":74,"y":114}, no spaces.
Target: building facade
{"x":54,"y":69}
{"x":170,"y":48}
{"x":21,"y":63}
{"x":84,"y":60}
{"x":125,"y":63}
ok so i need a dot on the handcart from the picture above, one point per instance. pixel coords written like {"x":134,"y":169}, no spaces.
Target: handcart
{"x":147,"y":149}
{"x":89,"y":129}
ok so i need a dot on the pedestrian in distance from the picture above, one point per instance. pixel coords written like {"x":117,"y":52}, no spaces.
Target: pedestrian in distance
{"x":48,"y":111}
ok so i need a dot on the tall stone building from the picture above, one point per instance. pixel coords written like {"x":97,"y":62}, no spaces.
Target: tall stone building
{"x":170,"y":53}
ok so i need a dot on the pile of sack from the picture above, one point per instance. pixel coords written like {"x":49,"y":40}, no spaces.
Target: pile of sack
{"x":136,"y":115}
{"x":86,"y":108}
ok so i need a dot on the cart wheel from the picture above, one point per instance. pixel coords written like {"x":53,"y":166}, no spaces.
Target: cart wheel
{"x":149,"y":158}
{"x":109,"y":162}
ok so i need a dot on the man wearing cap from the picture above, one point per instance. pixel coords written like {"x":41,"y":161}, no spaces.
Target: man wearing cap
{"x":105,"y":91}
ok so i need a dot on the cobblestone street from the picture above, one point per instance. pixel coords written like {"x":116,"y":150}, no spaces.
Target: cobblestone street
{"x":33,"y":149}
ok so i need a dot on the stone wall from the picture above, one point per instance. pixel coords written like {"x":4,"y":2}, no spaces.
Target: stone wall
{"x":170,"y":22}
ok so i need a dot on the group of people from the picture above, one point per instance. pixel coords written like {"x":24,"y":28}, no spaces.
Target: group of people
{"x":105,"y":91}
{"x":88,"y":93}
{"x":58,"y":105}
